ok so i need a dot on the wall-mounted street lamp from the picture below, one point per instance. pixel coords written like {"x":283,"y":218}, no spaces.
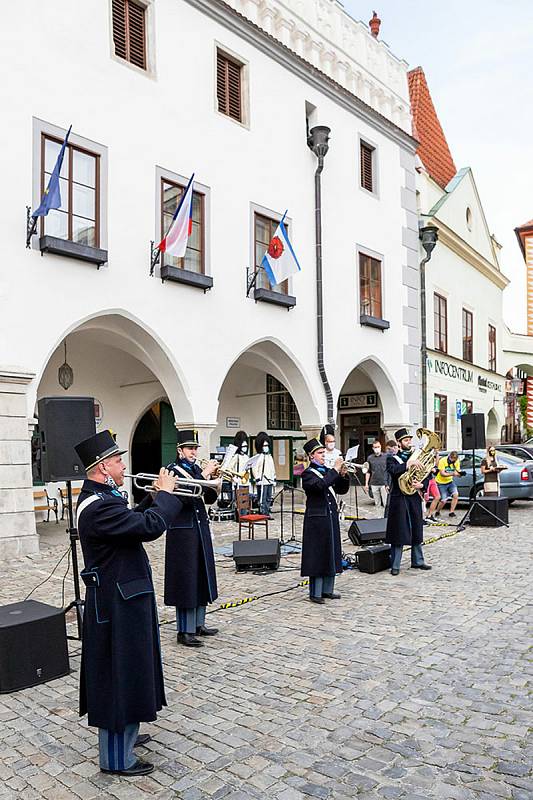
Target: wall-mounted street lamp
{"x":429,"y":236}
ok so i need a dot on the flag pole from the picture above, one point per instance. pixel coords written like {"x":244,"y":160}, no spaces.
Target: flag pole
{"x":155,"y":254}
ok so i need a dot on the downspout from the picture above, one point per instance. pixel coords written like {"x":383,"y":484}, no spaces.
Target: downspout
{"x":318,"y":142}
{"x":429,"y":236}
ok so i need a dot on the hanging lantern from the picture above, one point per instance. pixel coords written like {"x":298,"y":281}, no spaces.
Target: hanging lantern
{"x":65,"y":374}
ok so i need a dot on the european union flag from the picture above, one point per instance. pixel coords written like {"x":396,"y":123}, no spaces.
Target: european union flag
{"x":52,"y":194}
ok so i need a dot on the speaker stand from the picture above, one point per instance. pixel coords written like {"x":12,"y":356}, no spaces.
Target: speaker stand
{"x":72,"y":531}
{"x":473,"y":503}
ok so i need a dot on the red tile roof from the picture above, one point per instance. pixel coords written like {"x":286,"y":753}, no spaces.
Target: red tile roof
{"x":521,"y":232}
{"x":433,"y":150}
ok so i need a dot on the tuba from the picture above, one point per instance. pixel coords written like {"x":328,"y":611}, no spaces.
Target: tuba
{"x":426,"y":455}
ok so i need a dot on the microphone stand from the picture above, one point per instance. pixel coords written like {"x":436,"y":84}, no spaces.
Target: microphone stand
{"x":72,"y":531}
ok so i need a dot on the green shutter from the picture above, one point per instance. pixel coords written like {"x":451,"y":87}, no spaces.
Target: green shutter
{"x":169,"y":434}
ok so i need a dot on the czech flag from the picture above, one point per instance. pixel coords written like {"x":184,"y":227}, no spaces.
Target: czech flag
{"x":280,"y":259}
{"x":175,"y":242}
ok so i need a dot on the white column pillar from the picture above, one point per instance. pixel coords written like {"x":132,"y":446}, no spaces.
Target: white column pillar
{"x":18,"y":535}
{"x":205,"y":429}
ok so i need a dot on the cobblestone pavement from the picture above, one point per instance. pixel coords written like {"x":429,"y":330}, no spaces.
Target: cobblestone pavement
{"x":412,"y":687}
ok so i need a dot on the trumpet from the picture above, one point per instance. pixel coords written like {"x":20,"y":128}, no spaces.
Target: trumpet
{"x":351,"y":467}
{"x":184,"y":487}
{"x":225,"y":473}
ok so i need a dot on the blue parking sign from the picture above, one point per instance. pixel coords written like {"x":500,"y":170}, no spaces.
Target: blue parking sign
{"x":458,"y":409}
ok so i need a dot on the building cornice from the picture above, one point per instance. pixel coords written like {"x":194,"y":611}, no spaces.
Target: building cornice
{"x":16,"y":375}
{"x":450,"y":239}
{"x":234,"y":21}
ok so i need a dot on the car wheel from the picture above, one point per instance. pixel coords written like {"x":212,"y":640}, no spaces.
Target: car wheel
{"x":477,"y":492}
{"x":510,"y":502}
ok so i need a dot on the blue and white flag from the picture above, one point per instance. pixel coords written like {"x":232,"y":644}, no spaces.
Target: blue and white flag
{"x":52,"y":195}
{"x":280,"y":259}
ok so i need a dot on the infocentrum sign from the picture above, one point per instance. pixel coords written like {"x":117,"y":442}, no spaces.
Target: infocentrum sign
{"x":440,"y":367}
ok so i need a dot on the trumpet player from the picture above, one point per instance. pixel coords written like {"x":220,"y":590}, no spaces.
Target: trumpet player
{"x":190,"y":575}
{"x":321,"y":549}
{"x":404,"y":520}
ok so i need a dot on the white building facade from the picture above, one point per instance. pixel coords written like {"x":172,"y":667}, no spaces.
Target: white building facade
{"x":228,"y":92}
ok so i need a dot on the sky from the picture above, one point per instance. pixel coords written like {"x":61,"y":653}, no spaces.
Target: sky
{"x":478,"y":60}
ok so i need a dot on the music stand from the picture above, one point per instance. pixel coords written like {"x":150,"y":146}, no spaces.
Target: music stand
{"x":465,"y":520}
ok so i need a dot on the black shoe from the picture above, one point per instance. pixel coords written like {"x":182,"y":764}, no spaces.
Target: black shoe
{"x":332,"y":596}
{"x":395,"y":572}
{"x":420,"y":566}
{"x":143,"y":738}
{"x":317,"y":600}
{"x":139,"y":768}
{"x":437,"y":514}
{"x":189,"y":640}
{"x":425,"y":522}
{"x":203,"y":631}
{"x":452,"y":514}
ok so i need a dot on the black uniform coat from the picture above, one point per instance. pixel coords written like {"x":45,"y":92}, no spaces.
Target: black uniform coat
{"x":321,"y":548}
{"x":190,"y":576}
{"x":121,"y":680}
{"x":404,"y":520}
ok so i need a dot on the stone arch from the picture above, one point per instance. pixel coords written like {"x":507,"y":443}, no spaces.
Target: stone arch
{"x":379,"y":375}
{"x":119,"y":329}
{"x":273,"y":357}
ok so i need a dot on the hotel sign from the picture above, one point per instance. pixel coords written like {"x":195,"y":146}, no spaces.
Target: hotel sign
{"x":361,"y":400}
{"x":484,"y":383}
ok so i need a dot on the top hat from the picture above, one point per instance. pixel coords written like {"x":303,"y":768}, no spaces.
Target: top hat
{"x":97,"y":448}
{"x":188,"y":438}
{"x":239,"y":438}
{"x":261,"y":439}
{"x":402,"y":433}
{"x":312,"y":445}
{"x":327,"y":430}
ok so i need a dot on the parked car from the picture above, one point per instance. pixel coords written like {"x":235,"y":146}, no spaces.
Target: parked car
{"x":523,"y":451}
{"x":516,"y":482}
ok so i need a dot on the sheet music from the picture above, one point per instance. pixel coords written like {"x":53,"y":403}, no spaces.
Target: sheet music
{"x":351,"y":453}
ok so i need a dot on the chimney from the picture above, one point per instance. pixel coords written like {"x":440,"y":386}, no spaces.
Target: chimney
{"x":374,"y":24}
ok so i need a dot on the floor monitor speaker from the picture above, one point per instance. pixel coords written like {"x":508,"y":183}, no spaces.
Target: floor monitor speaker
{"x":33,"y":645}
{"x":256,"y":554}
{"x":367,"y":531}
{"x":374,"y":559}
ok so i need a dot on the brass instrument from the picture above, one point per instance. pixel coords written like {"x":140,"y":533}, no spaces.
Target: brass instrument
{"x":352,"y":467}
{"x":224,"y":473}
{"x":184,"y":487}
{"x":426,"y":455}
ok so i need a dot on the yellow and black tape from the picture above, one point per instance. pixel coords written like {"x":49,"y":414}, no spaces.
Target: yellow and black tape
{"x":240,"y":602}
{"x":305,"y":582}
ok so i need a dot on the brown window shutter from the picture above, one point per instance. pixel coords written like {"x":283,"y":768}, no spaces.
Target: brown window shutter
{"x":367,"y":179}
{"x":136,"y":31}
{"x":229,"y":87}
{"x":119,"y":27}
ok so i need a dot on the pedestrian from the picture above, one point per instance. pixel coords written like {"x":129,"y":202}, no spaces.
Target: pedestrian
{"x":448,"y":468}
{"x":404,"y":522}
{"x":321,"y":546}
{"x":121,"y":677}
{"x":190,"y":574}
{"x":377,"y":477}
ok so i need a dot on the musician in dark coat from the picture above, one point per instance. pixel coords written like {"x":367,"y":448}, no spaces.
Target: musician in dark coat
{"x":190,"y":576}
{"x":321,"y":549}
{"x":404,"y":520}
{"x":121,"y":680}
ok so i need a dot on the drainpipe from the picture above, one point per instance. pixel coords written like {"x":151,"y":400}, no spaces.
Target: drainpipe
{"x":429,"y":236}
{"x":317,"y":141}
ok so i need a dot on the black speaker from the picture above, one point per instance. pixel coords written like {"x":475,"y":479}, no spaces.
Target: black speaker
{"x":256,"y":554}
{"x":497,"y":505}
{"x":365,"y":531}
{"x":374,"y":559}
{"x":473,"y":431}
{"x":63,"y":422}
{"x":33,"y":645}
